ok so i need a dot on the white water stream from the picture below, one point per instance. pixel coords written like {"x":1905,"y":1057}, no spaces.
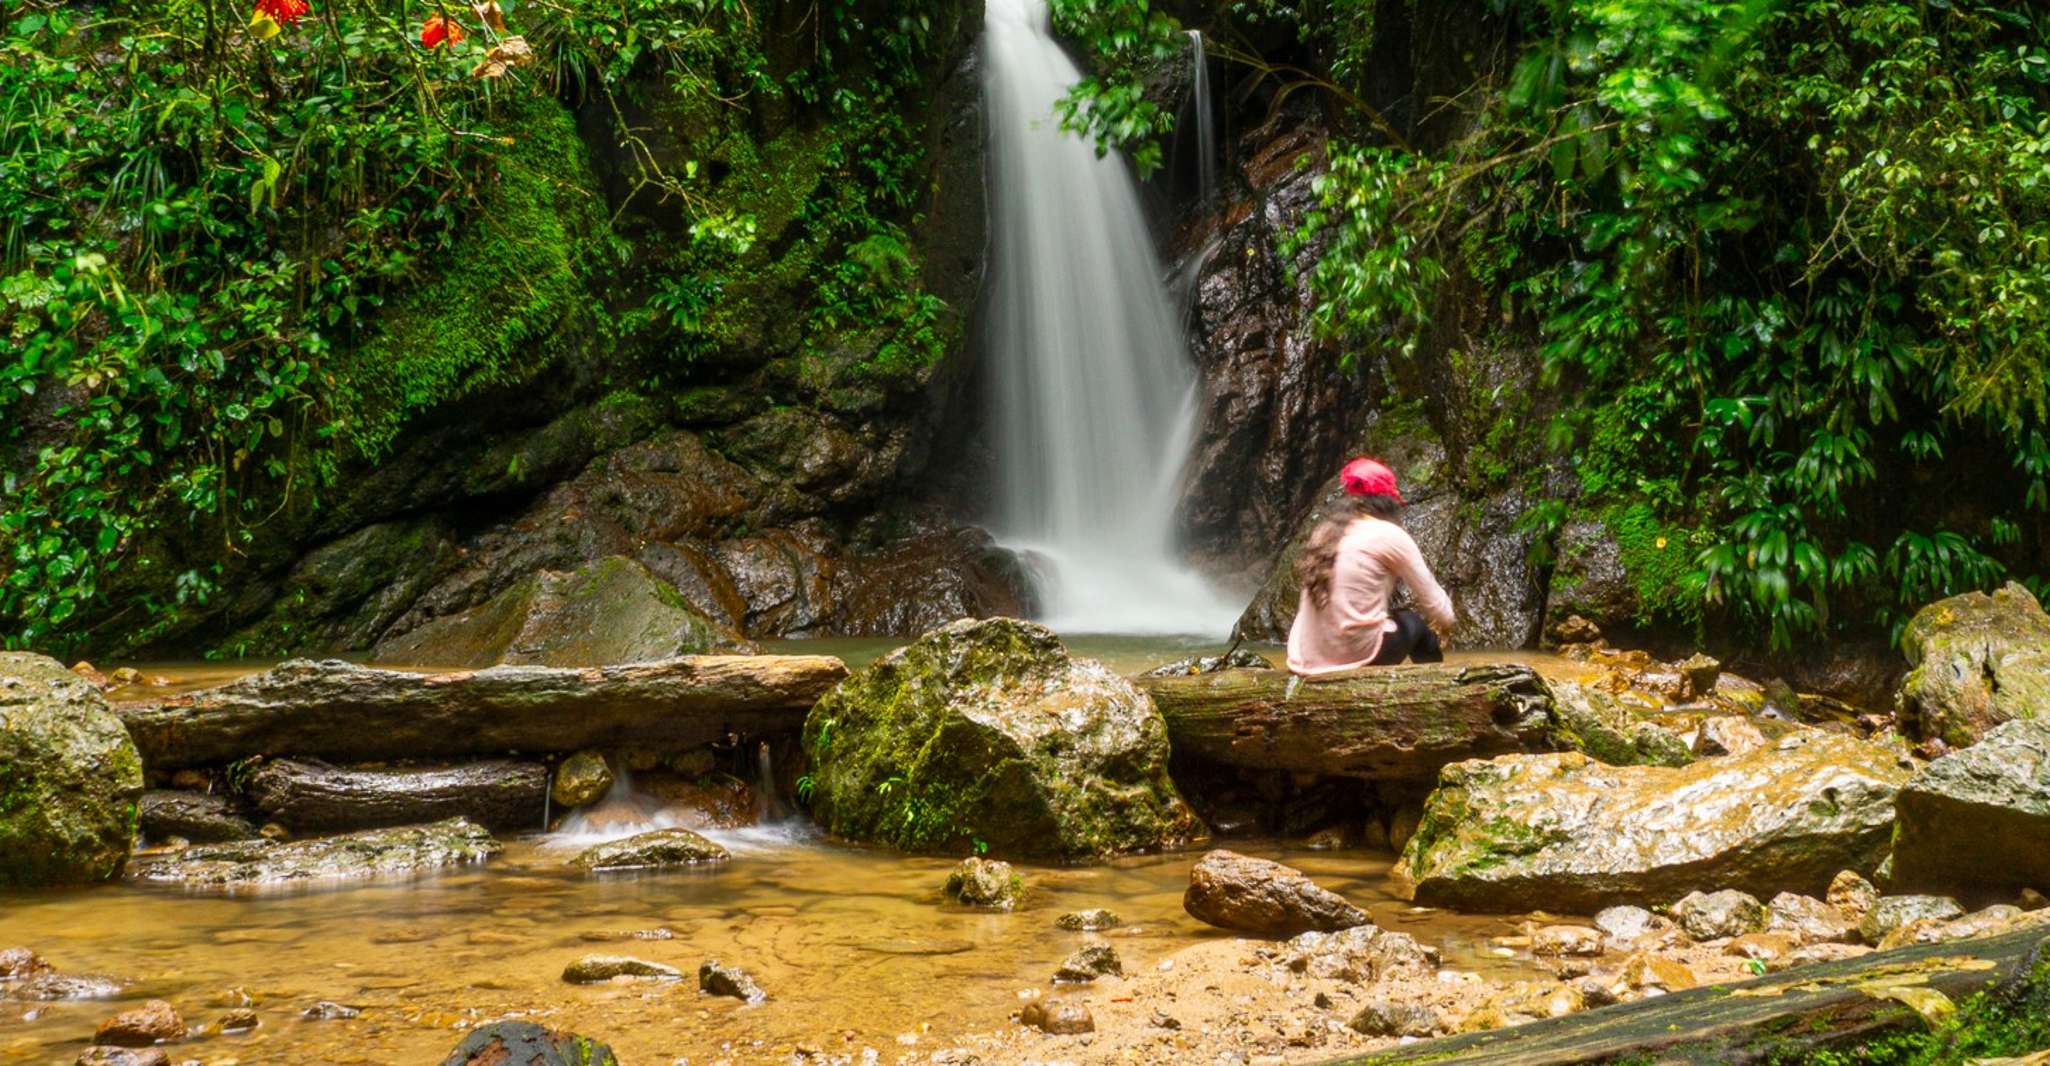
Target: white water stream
{"x":1095,"y":390}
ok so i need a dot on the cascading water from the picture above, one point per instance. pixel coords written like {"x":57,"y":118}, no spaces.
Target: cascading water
{"x":1206,"y":119}
{"x":1095,"y":391}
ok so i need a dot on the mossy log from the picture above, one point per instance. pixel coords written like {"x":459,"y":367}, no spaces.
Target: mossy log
{"x":1390,"y":723}
{"x":339,"y":710}
{"x":306,"y":795}
{"x":1786,"y":1017}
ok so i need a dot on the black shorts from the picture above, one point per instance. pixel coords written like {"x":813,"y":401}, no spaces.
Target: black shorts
{"x":1412,"y":640}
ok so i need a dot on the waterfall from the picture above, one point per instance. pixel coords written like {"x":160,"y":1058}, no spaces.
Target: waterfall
{"x":1094,"y":388}
{"x":1206,"y":119}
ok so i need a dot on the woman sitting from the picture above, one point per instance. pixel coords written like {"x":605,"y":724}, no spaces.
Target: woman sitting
{"x":1348,"y":572}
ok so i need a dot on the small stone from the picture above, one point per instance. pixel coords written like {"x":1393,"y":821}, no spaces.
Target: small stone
{"x":1163,"y":1020}
{"x":1090,"y":963}
{"x":1321,"y":1001}
{"x":274,"y":831}
{"x":716,"y":978}
{"x":1727,"y":735}
{"x":1363,"y":953}
{"x":123,"y":1056}
{"x":152,"y":1023}
{"x":581,"y":779}
{"x":1576,"y":630}
{"x":1760,"y":947}
{"x":1645,"y":972}
{"x":1892,"y":912}
{"x":1624,"y":926}
{"x":985,"y":883}
{"x":1698,"y":674}
{"x":240,"y":1020}
{"x":1809,"y":920}
{"x":1525,"y":1001}
{"x":592,"y":969}
{"x":1059,"y":1017}
{"x":1328,"y":839}
{"x":1556,"y":940}
{"x":1852,"y":894}
{"x":1083,"y":921}
{"x":1716,"y":915}
{"x":17,"y":963}
{"x":1384,"y":1018}
{"x":2032,"y":900}
{"x":1600,"y":990}
{"x":328,"y":1010}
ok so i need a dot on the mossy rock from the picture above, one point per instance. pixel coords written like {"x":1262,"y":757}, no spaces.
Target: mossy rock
{"x":70,"y":778}
{"x":1589,"y":720}
{"x":988,"y":732}
{"x":1978,"y":660}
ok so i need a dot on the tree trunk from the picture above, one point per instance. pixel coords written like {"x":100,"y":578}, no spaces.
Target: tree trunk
{"x":311,"y":796}
{"x":1389,"y":723}
{"x":342,"y":711}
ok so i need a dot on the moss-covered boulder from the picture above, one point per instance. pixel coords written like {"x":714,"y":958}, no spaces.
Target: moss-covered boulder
{"x":1979,"y":818}
{"x":607,"y":612}
{"x":70,"y":778}
{"x":1567,"y":833}
{"x":1592,"y":721}
{"x":1978,"y":660}
{"x":528,"y":1044}
{"x":988,"y":731}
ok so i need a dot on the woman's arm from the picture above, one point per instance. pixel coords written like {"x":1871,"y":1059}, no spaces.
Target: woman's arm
{"x":1408,"y":564}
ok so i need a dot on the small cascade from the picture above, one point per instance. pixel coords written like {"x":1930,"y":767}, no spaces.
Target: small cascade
{"x":1206,"y":119}
{"x":622,"y":813}
{"x":769,"y":806}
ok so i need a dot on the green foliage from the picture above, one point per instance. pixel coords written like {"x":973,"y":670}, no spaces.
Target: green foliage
{"x":1988,"y":1026}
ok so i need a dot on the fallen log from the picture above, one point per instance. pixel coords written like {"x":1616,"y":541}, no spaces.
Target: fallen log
{"x":306,"y":795}
{"x":1390,"y":723}
{"x":1786,"y":1017}
{"x":340,"y":710}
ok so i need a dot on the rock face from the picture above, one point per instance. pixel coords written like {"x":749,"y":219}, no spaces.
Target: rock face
{"x":527,"y":1044}
{"x":370,"y":853}
{"x":987,"y":731}
{"x":1580,"y":835}
{"x":651,"y":850}
{"x":309,"y":796}
{"x":607,"y":612}
{"x":1977,"y":661}
{"x":1233,"y":891}
{"x":340,"y":710}
{"x":200,"y":817}
{"x":1979,"y":818}
{"x":70,"y":778}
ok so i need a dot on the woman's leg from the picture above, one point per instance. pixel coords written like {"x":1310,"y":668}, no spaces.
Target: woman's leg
{"x":1412,"y":639}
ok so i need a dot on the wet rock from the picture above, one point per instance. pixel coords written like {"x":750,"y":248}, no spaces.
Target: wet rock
{"x":1523,"y":1002}
{"x":583,"y":778}
{"x":1623,"y":926}
{"x":1081,"y":921}
{"x":985,"y":883}
{"x":328,"y":1010}
{"x":1576,"y":629}
{"x":1090,"y":963}
{"x":1809,"y":920}
{"x":987,"y":731}
{"x":1850,"y":893}
{"x":123,"y":1056}
{"x":1059,"y":1017}
{"x":310,"y":796}
{"x":1727,"y":735}
{"x":527,"y":1044}
{"x":1715,"y":915}
{"x":654,"y":849}
{"x":1361,"y":954}
{"x":1240,"y":659}
{"x":718,"y":979}
{"x":1892,"y":912}
{"x":1592,"y":721}
{"x":1991,"y":921}
{"x":1646,"y":972}
{"x":1233,"y":891}
{"x":20,"y":963}
{"x":72,"y":777}
{"x":370,"y":853}
{"x":710,"y":801}
{"x":1382,"y":1017}
{"x":1979,"y":818}
{"x":48,"y":987}
{"x":1580,"y":835}
{"x":603,"y":613}
{"x":1760,"y":947}
{"x":1977,"y":661}
{"x":240,"y":1020}
{"x":1698,"y":674}
{"x":155,"y":1022}
{"x":592,"y":969}
{"x":196,"y":816}
{"x":926,"y":581}
{"x":1558,"y":940}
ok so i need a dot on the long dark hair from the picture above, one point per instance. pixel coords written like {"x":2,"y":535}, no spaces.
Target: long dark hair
{"x":1320,"y":553}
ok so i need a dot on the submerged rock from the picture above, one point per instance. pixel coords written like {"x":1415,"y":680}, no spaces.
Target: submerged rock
{"x":1716,"y":915}
{"x":985,"y":883}
{"x":309,"y":796}
{"x":582,"y":778}
{"x":1233,"y":891}
{"x":328,"y":1010}
{"x":1090,"y":963}
{"x":1084,"y":921}
{"x":592,"y":969}
{"x":528,"y":1044}
{"x":1979,"y":818}
{"x":606,"y":612}
{"x":1057,"y":1016}
{"x":718,"y":979}
{"x":155,"y":1022}
{"x":1579,"y":835}
{"x":650,"y":850}
{"x":987,"y":731}
{"x":1977,"y":661}
{"x":369,"y":853}
{"x":70,"y":777}
{"x":200,"y":817}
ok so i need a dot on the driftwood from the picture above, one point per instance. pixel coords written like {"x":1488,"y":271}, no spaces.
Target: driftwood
{"x":1782,"y":1018}
{"x":1392,"y":723}
{"x":340,"y":710}
{"x":306,"y":795}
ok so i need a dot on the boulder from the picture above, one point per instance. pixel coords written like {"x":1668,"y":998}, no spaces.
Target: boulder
{"x":604,"y":613}
{"x":1809,"y":920}
{"x":593,"y":969}
{"x":582,"y":778}
{"x":70,"y":778}
{"x":987,"y":733}
{"x":1893,"y":912}
{"x":527,"y":1044}
{"x":1976,"y":661}
{"x":1090,"y":963}
{"x":200,"y":817}
{"x":339,"y":710}
{"x":985,"y":883}
{"x":310,"y":796}
{"x":1717,"y":915}
{"x":651,"y":850}
{"x":718,"y":979}
{"x":1979,"y":818}
{"x":1579,"y":835}
{"x":1058,"y":1017}
{"x":155,"y":1022}
{"x":1233,"y":891}
{"x":370,"y":853}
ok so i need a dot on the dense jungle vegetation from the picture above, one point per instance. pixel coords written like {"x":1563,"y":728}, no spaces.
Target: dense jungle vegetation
{"x":242,"y":244}
{"x":1785,"y":266}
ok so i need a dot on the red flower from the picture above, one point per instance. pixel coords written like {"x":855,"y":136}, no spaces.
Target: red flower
{"x":438,"y":31}
{"x":283,"y":12}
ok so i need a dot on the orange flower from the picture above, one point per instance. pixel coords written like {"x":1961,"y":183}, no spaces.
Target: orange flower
{"x":439,"y":31}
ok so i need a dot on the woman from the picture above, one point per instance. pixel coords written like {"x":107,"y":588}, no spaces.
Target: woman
{"x":1348,"y":572}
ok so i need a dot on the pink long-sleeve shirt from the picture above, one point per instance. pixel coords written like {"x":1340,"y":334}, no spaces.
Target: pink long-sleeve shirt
{"x":1346,"y":632}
